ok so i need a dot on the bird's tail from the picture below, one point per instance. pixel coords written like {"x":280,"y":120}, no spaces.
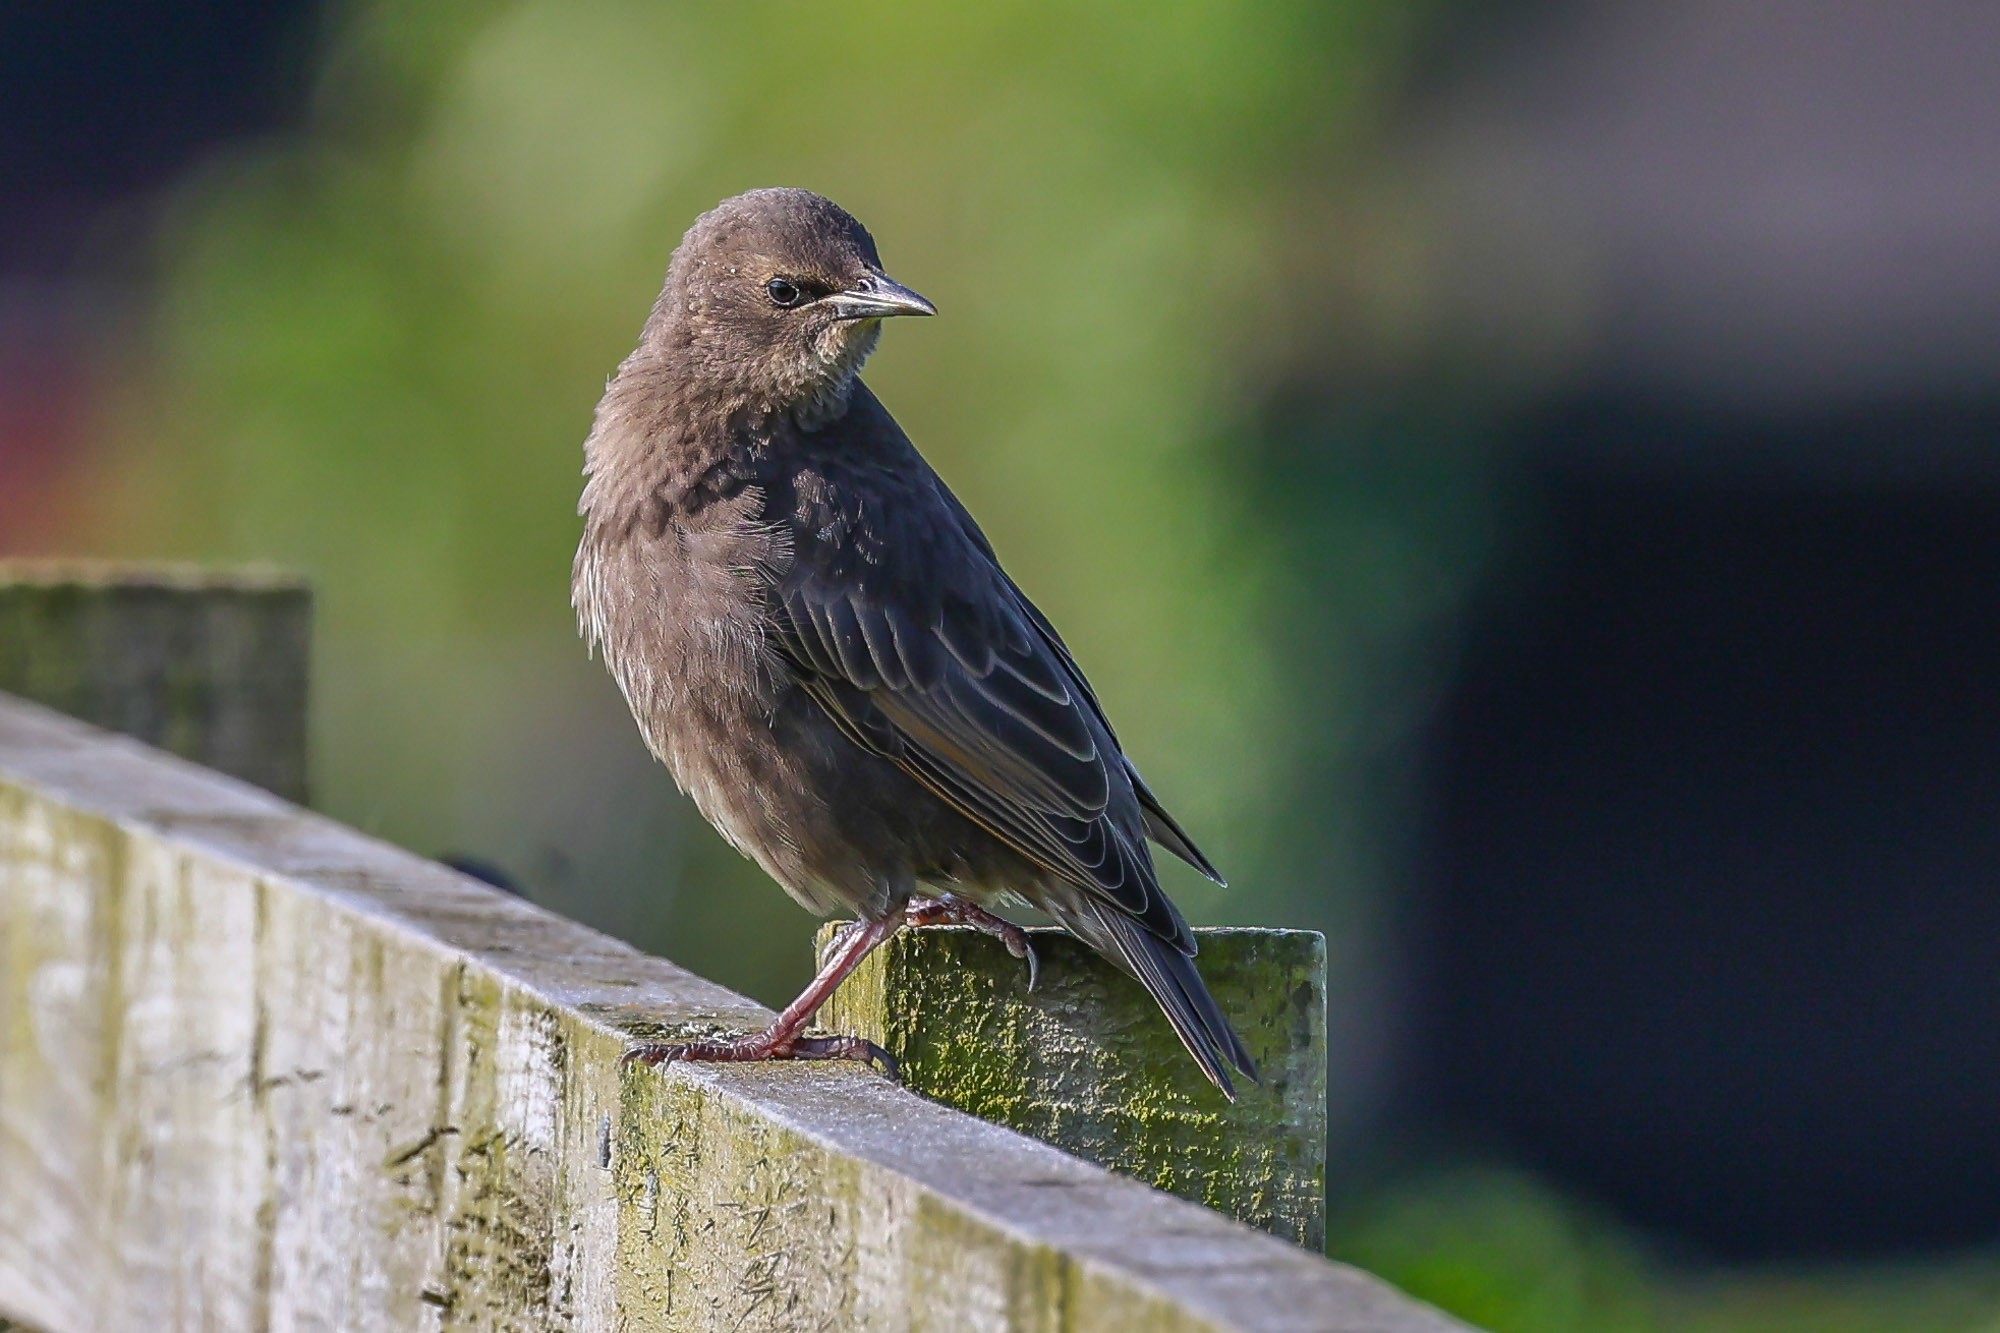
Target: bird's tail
{"x":1169,"y":976}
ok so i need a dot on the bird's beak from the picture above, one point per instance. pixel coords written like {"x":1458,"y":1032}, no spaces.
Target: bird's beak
{"x":878,"y":297}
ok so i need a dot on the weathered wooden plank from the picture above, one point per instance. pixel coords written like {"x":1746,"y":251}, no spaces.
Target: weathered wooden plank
{"x":1085,"y":1061}
{"x":260,"y":1072}
{"x":210,"y":665}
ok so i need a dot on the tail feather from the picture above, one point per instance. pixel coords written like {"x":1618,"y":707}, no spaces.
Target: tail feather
{"x":1170,"y":977}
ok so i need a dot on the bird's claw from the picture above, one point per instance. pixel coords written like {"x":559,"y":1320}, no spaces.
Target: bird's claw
{"x":755,"y":1047}
{"x":655,"y":1054}
{"x":845,"y":1047}
{"x":948,"y":909}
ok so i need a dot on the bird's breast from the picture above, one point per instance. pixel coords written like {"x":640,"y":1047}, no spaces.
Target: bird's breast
{"x":681,"y":614}
{"x":682,"y":622}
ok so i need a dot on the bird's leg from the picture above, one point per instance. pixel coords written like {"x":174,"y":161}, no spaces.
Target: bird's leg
{"x":837,"y":941}
{"x":948,"y":909}
{"x":782,"y":1040}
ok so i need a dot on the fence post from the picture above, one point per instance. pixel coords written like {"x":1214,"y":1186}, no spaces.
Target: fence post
{"x":1086,"y":1063}
{"x":209,"y":665}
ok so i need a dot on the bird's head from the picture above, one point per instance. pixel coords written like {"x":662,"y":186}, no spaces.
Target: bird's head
{"x":779,"y":294}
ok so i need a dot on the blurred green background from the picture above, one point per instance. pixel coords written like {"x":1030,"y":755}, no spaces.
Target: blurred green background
{"x":1235,"y":328}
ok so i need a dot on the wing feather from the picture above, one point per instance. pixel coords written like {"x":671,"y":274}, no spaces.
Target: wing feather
{"x":946,"y":669}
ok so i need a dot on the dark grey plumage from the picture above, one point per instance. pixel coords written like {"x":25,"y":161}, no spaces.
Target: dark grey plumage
{"x":817,"y":639}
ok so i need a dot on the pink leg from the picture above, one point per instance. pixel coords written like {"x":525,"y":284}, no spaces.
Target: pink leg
{"x":948,"y":909}
{"x":781,"y":1040}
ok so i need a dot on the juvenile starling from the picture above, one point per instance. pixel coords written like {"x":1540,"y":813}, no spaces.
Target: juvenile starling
{"x":819,"y":643}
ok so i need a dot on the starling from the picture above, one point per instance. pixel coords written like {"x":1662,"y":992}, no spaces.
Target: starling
{"x":818,"y":641}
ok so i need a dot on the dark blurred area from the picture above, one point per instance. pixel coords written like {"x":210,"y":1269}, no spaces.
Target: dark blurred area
{"x":1712,"y":901}
{"x":1524,"y":476}
{"x":102,"y":103}
{"x":101,"y":100}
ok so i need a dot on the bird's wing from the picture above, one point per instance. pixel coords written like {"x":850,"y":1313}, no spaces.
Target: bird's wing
{"x":929,"y":655}
{"x":1162,"y":827}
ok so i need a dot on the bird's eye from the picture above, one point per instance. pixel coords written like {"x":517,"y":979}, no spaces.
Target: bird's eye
{"x":784,"y":292}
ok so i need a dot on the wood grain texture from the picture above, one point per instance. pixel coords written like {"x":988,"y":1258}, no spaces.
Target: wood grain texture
{"x":260,"y":1072}
{"x":210,"y":665}
{"x":1086,"y":1062}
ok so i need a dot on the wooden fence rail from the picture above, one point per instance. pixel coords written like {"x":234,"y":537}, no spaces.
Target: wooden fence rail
{"x":258,"y":1071}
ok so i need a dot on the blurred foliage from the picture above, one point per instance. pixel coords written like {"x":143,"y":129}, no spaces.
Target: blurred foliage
{"x":1501,"y":1249}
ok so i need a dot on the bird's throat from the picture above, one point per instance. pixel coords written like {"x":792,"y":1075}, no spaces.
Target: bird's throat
{"x":826,"y":395}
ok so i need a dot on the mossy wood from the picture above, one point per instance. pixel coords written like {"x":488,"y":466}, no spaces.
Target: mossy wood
{"x":1086,"y":1061}
{"x":209,"y":665}
{"x":259,"y":1071}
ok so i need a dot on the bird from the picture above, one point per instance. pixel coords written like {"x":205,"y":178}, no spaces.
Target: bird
{"x":819,"y":643}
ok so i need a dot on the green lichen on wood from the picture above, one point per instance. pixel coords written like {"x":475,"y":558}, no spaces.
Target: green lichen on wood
{"x":208,"y":665}
{"x":496,"y":1272}
{"x":1087,"y":1063}
{"x":728,"y":1220}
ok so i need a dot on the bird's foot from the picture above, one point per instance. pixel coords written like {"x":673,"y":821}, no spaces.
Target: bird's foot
{"x":948,"y":909}
{"x":785,"y":1039}
{"x":766,"y":1045}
